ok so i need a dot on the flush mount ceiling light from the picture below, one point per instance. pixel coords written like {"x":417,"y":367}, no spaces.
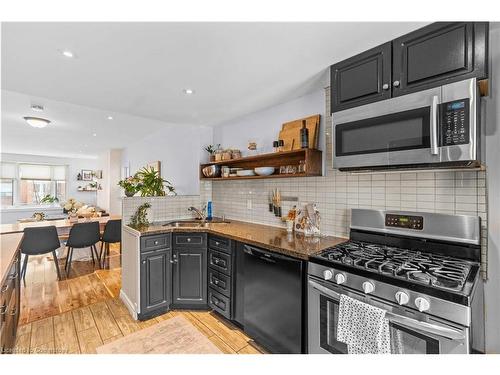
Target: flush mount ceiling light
{"x":37,"y":122}
{"x":110,"y":117}
{"x":37,"y":107}
{"x":68,"y":54}
{"x":188,"y":91}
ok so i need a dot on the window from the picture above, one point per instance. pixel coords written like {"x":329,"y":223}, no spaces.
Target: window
{"x":28,"y":184}
{"x":6,"y":192}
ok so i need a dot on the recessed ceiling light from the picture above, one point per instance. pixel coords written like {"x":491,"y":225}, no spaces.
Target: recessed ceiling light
{"x":37,"y":122}
{"x":188,"y":91}
{"x":94,"y":134}
{"x":110,"y":117}
{"x":67,"y":53}
{"x":37,"y":107}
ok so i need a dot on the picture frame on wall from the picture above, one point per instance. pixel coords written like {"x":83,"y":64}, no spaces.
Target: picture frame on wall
{"x":86,"y":175}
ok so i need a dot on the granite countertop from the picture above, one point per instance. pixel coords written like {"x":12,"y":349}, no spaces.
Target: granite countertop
{"x":9,"y":245}
{"x":266,"y":236}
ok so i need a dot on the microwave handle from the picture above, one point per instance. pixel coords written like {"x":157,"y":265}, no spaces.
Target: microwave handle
{"x":434,"y":122}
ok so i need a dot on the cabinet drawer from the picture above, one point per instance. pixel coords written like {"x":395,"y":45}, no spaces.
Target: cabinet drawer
{"x":220,"y":243}
{"x":219,"y":282}
{"x":219,"y":261}
{"x":219,"y":303}
{"x":161,"y":241}
{"x":190,"y":240}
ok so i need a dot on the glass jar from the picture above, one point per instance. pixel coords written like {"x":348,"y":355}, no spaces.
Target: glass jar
{"x":218,"y":154}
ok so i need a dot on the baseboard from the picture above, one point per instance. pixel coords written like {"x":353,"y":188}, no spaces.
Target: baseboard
{"x":128,"y":304}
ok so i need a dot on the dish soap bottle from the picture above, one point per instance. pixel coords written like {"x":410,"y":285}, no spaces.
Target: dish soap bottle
{"x":304,"y":135}
{"x":209,"y":210}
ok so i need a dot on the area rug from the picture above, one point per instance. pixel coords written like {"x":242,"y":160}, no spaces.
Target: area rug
{"x":172,"y":336}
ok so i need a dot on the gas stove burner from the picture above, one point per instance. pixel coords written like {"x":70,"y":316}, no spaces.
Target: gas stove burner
{"x":424,"y":268}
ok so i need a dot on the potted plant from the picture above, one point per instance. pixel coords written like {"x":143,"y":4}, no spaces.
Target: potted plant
{"x":151,"y":184}
{"x":49,"y":199}
{"x":130,"y":185}
{"x":211,"y":151}
{"x":139,"y":218}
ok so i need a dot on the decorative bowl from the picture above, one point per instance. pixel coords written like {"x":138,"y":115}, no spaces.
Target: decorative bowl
{"x":245,"y":172}
{"x":211,"y":171}
{"x":264,"y":171}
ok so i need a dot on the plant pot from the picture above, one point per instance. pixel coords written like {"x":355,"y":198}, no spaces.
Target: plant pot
{"x":129,"y":193}
{"x":212,"y":157}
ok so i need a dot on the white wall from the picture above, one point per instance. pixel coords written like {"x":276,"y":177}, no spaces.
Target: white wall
{"x":109,"y":198}
{"x":264,"y":126}
{"x":179,"y":148}
{"x":492,"y":285}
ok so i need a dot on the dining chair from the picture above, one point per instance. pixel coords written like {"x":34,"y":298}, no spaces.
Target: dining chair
{"x":37,"y":241}
{"x":82,"y":235}
{"x":112,"y":234}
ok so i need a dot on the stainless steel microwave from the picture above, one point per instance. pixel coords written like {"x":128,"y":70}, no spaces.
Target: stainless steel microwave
{"x":435,"y":128}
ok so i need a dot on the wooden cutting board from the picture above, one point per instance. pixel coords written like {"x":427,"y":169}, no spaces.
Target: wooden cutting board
{"x":290,"y":133}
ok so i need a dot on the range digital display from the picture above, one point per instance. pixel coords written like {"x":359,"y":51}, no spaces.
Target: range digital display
{"x":402,"y":221}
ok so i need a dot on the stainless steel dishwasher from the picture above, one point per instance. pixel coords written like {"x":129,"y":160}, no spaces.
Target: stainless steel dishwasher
{"x":273,"y":300}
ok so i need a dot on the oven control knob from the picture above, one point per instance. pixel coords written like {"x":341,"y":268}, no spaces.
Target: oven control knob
{"x":402,"y":298}
{"x":368,"y":287}
{"x":422,"y":304}
{"x":327,"y":274}
{"x":340,"y":278}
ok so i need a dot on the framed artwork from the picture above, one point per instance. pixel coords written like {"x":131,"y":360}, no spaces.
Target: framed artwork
{"x":86,"y":175}
{"x":156,"y":165}
{"x":98,"y":174}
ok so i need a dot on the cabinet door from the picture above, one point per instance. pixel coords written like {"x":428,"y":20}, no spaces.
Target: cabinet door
{"x":440,"y":53}
{"x":155,"y":281}
{"x":361,"y":79}
{"x":190,"y":277}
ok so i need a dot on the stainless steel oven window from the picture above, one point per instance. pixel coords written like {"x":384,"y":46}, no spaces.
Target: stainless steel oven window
{"x":328,"y":316}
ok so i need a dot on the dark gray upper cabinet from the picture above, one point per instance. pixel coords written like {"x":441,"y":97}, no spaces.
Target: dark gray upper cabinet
{"x":156,"y":274}
{"x":361,"y":79}
{"x":440,"y":53}
{"x":437,"y":54}
{"x":189,"y":271}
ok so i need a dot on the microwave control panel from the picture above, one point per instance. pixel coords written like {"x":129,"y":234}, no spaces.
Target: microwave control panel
{"x":404,"y":221}
{"x":455,"y":123}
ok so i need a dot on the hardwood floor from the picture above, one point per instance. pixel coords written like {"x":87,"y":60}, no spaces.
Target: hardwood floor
{"x":82,"y":312}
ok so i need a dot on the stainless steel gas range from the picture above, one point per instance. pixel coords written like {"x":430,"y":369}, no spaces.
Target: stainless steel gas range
{"x":421,"y":268}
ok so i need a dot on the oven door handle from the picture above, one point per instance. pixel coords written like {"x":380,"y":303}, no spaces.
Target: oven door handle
{"x":433,"y":125}
{"x":448,"y":333}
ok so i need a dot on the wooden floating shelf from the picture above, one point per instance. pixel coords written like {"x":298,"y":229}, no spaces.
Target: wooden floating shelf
{"x":311,"y":157}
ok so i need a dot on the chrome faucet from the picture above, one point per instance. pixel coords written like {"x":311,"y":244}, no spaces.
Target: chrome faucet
{"x":201,"y":214}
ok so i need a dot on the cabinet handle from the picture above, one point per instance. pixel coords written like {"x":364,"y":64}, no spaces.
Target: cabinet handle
{"x":143,"y":262}
{"x":396,"y":83}
{"x":189,"y":240}
{"x":156,"y":242}
{"x":217,"y":243}
{"x":385,"y":86}
{"x":3,"y":309}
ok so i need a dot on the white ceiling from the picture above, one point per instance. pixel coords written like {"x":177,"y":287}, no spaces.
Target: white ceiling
{"x":142,"y":68}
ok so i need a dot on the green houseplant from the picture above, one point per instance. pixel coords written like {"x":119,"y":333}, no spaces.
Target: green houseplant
{"x":151,"y":184}
{"x":139,"y":218}
{"x":211,"y":150}
{"x":130,"y":184}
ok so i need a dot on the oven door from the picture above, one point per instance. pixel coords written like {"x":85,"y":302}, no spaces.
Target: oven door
{"x":402,"y":131}
{"x":408,"y":335}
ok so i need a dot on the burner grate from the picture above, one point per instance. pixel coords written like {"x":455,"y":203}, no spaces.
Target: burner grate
{"x":431,"y":269}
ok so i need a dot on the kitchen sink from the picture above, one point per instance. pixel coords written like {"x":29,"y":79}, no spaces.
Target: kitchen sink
{"x":193,"y":223}
{"x":186,"y":224}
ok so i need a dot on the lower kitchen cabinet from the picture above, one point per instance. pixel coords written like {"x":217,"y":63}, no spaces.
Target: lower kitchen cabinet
{"x":189,"y":271}
{"x":10,"y":306}
{"x":156,"y":274}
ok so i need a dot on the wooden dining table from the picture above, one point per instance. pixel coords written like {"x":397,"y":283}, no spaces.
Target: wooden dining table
{"x":63,"y":226}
